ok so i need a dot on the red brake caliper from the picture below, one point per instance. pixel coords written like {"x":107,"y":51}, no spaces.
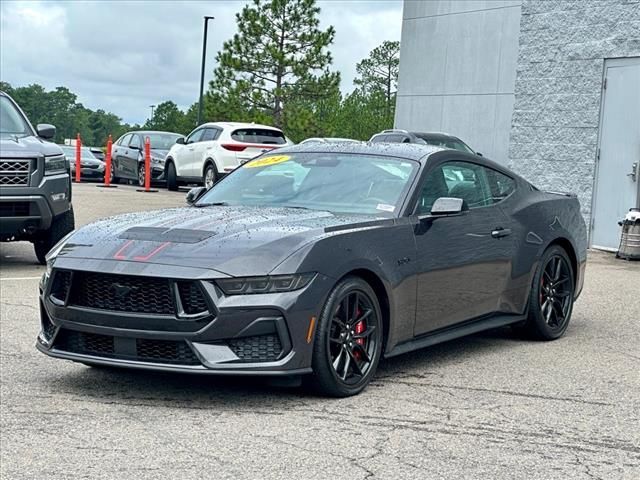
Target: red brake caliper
{"x":358,"y":329}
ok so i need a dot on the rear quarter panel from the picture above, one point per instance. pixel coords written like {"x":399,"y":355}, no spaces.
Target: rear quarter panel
{"x":540,"y":219}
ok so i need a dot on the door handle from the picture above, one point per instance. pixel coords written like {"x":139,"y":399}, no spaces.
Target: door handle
{"x":500,"y":232}
{"x":634,"y":169}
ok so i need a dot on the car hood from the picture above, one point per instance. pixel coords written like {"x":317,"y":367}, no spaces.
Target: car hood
{"x":233,"y":241}
{"x":25,"y":147}
{"x":158,"y":152}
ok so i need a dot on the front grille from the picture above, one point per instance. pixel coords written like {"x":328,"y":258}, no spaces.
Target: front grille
{"x":192,"y":298}
{"x":14,"y":209}
{"x":165,"y":351}
{"x":14,"y":173}
{"x":259,"y":348}
{"x":145,"y":350}
{"x":122,"y":293}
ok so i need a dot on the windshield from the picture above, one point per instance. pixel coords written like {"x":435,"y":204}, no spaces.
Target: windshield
{"x":335,"y":182}
{"x":162,"y":141}
{"x":11,"y":121}
{"x":70,"y":152}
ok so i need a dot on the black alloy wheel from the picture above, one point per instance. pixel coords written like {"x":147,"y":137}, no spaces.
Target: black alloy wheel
{"x":552,"y":296}
{"x":348,"y":341}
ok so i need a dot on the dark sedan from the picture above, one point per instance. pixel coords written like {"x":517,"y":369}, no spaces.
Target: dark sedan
{"x":316,"y":261}
{"x":127,"y":156}
{"x":91,"y":168}
{"x":436,"y":139}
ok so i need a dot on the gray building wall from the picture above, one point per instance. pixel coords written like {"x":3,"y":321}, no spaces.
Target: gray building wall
{"x":563,"y":44}
{"x":458,"y":69}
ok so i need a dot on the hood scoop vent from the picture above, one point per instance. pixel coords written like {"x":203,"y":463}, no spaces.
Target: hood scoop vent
{"x":173,"y":235}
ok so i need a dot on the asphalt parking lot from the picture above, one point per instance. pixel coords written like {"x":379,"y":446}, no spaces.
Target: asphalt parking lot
{"x":487,"y":406}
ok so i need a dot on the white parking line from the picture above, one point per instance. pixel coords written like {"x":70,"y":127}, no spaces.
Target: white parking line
{"x":18,"y":278}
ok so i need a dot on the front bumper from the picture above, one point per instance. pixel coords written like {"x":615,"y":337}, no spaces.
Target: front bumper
{"x":26,"y":210}
{"x":90,"y":173}
{"x":246,"y":334}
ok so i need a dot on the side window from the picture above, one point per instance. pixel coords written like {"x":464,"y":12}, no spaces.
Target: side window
{"x":195,"y":136}
{"x":501,"y":185}
{"x":459,"y":180}
{"x":124,"y":141}
{"x":135,"y":142}
{"x":210,"y":134}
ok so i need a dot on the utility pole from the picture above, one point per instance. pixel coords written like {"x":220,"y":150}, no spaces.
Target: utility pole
{"x":152,"y":107}
{"x":204,"y":57}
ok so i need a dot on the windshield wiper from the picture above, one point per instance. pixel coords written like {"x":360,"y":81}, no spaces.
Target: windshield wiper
{"x":212,"y":204}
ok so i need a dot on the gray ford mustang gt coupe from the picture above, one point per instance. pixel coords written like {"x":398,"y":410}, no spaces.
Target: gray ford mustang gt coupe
{"x":315,"y":261}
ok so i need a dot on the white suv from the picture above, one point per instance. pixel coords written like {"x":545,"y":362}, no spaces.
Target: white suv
{"x":215,"y":149}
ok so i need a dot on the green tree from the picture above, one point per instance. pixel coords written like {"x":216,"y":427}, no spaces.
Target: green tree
{"x":167,"y":117}
{"x":378,"y":76}
{"x":278,"y":56}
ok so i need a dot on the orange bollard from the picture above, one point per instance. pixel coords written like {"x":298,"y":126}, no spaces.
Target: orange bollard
{"x":78,"y":155}
{"x":107,"y":167}
{"x":147,"y":164}
{"x":147,"y":167}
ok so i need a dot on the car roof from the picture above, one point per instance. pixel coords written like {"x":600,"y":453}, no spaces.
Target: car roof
{"x":435,"y":135}
{"x":410,"y":151}
{"x":239,"y":125}
{"x":153,"y":131}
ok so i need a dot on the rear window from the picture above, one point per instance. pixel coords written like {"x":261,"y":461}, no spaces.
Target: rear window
{"x":259,"y":135}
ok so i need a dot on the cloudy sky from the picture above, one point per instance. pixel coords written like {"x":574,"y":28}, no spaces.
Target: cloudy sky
{"x":123,"y":56}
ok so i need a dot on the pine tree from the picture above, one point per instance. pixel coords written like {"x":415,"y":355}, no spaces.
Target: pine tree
{"x":378,"y":75}
{"x":278,"y":56}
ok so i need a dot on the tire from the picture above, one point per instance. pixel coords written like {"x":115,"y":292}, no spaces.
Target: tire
{"x":61,"y":226}
{"x":141,"y":175}
{"x":210,"y":175}
{"x":172,"y":178}
{"x":551,"y":298}
{"x":114,"y":179}
{"x":340,"y":366}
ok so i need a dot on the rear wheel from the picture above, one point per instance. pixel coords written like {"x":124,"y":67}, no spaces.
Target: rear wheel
{"x":61,"y":225}
{"x":348,"y":340}
{"x":210,"y":175}
{"x":552,"y":295}
{"x":172,"y":178}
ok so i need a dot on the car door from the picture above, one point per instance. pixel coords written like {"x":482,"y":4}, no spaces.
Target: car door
{"x":132,"y":156}
{"x":205,"y":148}
{"x":464,"y":260}
{"x":191,"y":166}
{"x":118,"y":154}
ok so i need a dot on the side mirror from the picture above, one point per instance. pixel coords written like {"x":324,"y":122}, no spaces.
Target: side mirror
{"x":46,"y":131}
{"x":448,"y":206}
{"x":479,"y":154}
{"x":181,"y":141}
{"x":194,"y":194}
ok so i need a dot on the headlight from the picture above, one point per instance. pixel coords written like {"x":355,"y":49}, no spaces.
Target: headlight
{"x":271,"y":284}
{"x":157,"y":160}
{"x":55,"y":164}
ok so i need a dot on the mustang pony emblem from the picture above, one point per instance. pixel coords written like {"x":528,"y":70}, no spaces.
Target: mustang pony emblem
{"x":122,"y":291}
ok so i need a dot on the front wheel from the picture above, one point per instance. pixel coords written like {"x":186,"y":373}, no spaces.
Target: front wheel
{"x":348,"y":340}
{"x":551,"y":297}
{"x":114,"y":179}
{"x":61,"y":225}
{"x":141,"y":175}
